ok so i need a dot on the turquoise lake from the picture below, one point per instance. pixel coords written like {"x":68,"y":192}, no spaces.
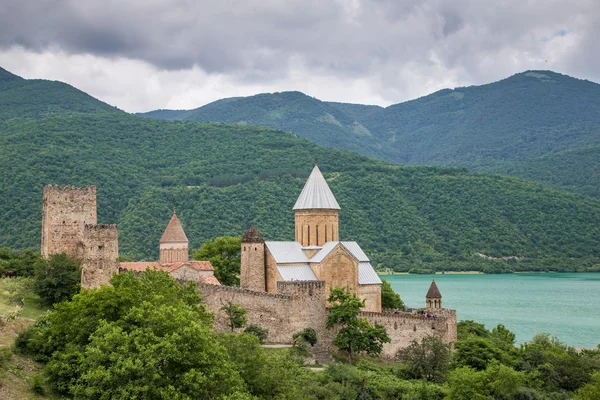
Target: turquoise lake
{"x":566,"y":305}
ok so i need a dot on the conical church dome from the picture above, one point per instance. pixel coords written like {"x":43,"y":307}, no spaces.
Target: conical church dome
{"x":433,"y":292}
{"x":174,"y":232}
{"x":316,"y":194}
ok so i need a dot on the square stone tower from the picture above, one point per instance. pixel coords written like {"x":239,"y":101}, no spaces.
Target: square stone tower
{"x":65,"y":212}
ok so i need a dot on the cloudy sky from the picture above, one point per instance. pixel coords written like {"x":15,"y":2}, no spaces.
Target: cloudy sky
{"x":147,"y":54}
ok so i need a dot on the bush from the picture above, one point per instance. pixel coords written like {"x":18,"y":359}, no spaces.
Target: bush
{"x":37,"y":384}
{"x":57,"y":279}
{"x":308,"y":335}
{"x":258,"y":331}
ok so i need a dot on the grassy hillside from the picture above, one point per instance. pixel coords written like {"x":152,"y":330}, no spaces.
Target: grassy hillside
{"x":511,"y":126}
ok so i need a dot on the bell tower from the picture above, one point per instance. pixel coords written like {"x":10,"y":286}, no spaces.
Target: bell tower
{"x":252,"y":263}
{"x":174,"y":242}
{"x":433,"y":299}
{"x":316,"y":212}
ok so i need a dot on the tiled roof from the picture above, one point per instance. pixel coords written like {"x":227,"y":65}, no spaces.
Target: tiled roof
{"x":174,"y":232}
{"x":296,"y":273}
{"x":367,"y":274}
{"x":211,"y":280}
{"x":141,"y":266}
{"x":316,"y":194}
{"x":433,"y":292}
{"x":287,"y":252}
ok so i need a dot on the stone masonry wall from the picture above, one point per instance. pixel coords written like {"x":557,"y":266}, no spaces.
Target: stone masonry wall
{"x":252,"y":266}
{"x":100,"y":251}
{"x":403,"y":328}
{"x":299,"y":305}
{"x":371,"y":294}
{"x":269,"y":310}
{"x":315,"y":227}
{"x":65,"y":212}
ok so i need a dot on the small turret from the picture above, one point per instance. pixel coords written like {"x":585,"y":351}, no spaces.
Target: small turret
{"x":433,"y":299}
{"x":174,"y":242}
{"x":252,"y":263}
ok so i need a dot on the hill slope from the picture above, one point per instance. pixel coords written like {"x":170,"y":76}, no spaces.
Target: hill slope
{"x":523,"y":118}
{"x":321,"y":122}
{"x":37,"y":98}
{"x":224,"y":178}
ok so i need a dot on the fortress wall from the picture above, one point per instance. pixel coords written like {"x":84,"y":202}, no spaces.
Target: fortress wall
{"x":404,"y":328}
{"x":268,"y":310}
{"x":65,"y":212}
{"x":100,"y":255}
{"x":296,"y":306}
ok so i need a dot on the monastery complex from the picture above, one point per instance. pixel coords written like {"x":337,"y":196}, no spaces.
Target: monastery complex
{"x":283,"y":285}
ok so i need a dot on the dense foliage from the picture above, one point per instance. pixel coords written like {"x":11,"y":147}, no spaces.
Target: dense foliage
{"x":224,"y":255}
{"x":527,"y":125}
{"x":354,"y":335}
{"x":57,"y":279}
{"x":148,"y":337}
{"x":406,"y":218}
{"x":389,"y":298}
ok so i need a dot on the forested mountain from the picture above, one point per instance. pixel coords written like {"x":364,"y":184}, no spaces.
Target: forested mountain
{"x":320,"y":122}
{"x":37,"y":98}
{"x":522,"y":125}
{"x":225,"y":177}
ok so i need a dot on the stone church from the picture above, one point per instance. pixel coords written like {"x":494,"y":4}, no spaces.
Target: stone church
{"x":317,"y":254}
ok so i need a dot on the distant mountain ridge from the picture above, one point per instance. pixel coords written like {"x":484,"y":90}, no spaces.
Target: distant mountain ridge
{"x":499,"y":127}
{"x":225,"y":177}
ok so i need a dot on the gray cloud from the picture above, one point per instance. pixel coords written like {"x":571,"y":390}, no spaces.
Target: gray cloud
{"x":399,"y":48}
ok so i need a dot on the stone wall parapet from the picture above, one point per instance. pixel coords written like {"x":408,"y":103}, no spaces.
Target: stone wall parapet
{"x":231,"y":289}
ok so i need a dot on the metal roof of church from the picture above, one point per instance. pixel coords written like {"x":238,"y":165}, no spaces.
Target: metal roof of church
{"x":352,"y":247}
{"x":287,"y":252}
{"x":316,"y":194}
{"x":174,"y":232}
{"x":296,"y":273}
{"x":367,"y":274}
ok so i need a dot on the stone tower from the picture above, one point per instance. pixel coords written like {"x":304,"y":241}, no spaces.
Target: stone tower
{"x":65,"y":212}
{"x":433,"y":299}
{"x":316,"y":212}
{"x":252,"y":268}
{"x":174,"y":242}
{"x":100,"y":258}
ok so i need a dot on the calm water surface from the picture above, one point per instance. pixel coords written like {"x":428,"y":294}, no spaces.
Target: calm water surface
{"x":566,"y":305}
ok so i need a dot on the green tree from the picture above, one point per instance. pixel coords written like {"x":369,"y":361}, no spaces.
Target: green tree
{"x":145,"y":337}
{"x":389,"y":298}
{"x":355,"y":334}
{"x":428,"y":360}
{"x":224,"y":254}
{"x":496,"y":382}
{"x":57,"y":279}
{"x":236,"y":314}
{"x":590,"y":391}
{"x":477,"y":352}
{"x":261,"y":333}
